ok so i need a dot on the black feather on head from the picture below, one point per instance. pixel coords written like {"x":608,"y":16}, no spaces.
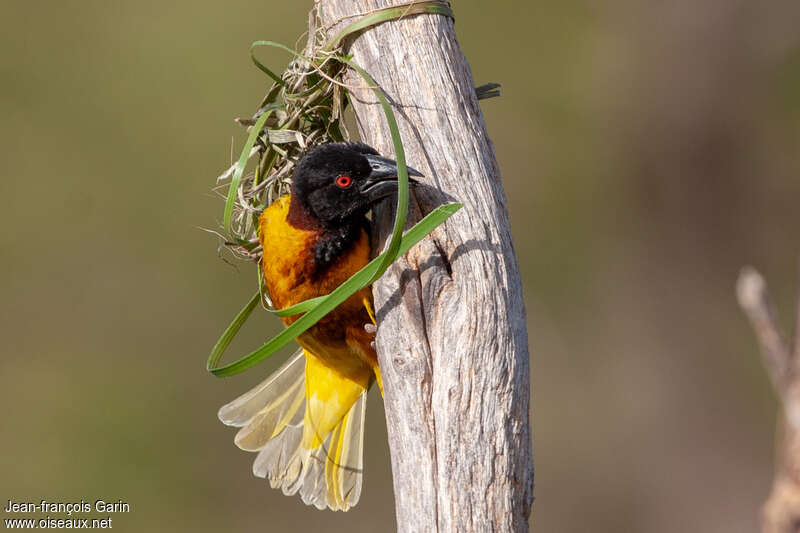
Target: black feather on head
{"x":335,"y":184}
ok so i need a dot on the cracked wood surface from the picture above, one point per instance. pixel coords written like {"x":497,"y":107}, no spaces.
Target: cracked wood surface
{"x":452,"y":339}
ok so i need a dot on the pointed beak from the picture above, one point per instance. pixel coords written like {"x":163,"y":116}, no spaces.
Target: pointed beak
{"x":382,"y":181}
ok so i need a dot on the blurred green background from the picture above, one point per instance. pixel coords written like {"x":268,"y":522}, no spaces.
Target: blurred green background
{"x":648,"y":149}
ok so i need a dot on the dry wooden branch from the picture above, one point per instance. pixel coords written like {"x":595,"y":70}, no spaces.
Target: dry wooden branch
{"x":781,"y":512}
{"x":452,"y":337}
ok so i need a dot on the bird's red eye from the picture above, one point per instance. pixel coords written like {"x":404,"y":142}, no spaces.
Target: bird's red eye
{"x":343,"y":182}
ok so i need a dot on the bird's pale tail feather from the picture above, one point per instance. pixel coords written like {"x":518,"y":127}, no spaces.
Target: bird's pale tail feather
{"x":272,"y":415}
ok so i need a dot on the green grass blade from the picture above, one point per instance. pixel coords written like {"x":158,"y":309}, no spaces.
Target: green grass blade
{"x":298,"y":308}
{"x":328,"y":303}
{"x":231,"y":331}
{"x":390,"y":13}
{"x":240,"y":166}
{"x":402,"y":171}
{"x":281,"y":46}
{"x":263,"y":68}
{"x":331,"y":301}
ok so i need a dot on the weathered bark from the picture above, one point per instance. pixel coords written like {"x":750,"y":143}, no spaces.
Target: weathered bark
{"x":781,"y":512}
{"x":452,"y":339}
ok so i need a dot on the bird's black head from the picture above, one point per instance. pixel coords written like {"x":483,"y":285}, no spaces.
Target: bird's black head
{"x":339,"y":182}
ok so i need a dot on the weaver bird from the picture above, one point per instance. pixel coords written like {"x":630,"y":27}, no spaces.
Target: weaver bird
{"x":306,"y":421}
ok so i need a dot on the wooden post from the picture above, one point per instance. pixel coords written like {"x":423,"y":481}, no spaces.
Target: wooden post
{"x":452,"y":338}
{"x":781,"y":512}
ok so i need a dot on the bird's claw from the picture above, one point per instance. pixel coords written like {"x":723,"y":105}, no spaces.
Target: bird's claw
{"x":371,"y":329}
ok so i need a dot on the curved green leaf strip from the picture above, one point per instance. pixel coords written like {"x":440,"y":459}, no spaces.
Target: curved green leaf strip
{"x":242,"y":163}
{"x":390,"y":13}
{"x":298,"y":308}
{"x":282,"y":47}
{"x":231,"y":331}
{"x":402,"y":171}
{"x":261,"y":66}
{"x":356,"y":282}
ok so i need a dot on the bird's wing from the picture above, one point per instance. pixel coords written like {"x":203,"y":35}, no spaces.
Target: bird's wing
{"x":314,"y":448}
{"x":271,"y":401}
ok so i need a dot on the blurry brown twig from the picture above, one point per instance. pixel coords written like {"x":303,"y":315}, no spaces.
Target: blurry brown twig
{"x":781,"y":511}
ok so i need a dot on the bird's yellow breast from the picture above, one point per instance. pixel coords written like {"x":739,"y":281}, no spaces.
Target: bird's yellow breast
{"x":291,"y":276}
{"x":288,"y":258}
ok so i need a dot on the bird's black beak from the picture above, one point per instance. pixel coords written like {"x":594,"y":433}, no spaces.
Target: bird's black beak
{"x":382,"y":181}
